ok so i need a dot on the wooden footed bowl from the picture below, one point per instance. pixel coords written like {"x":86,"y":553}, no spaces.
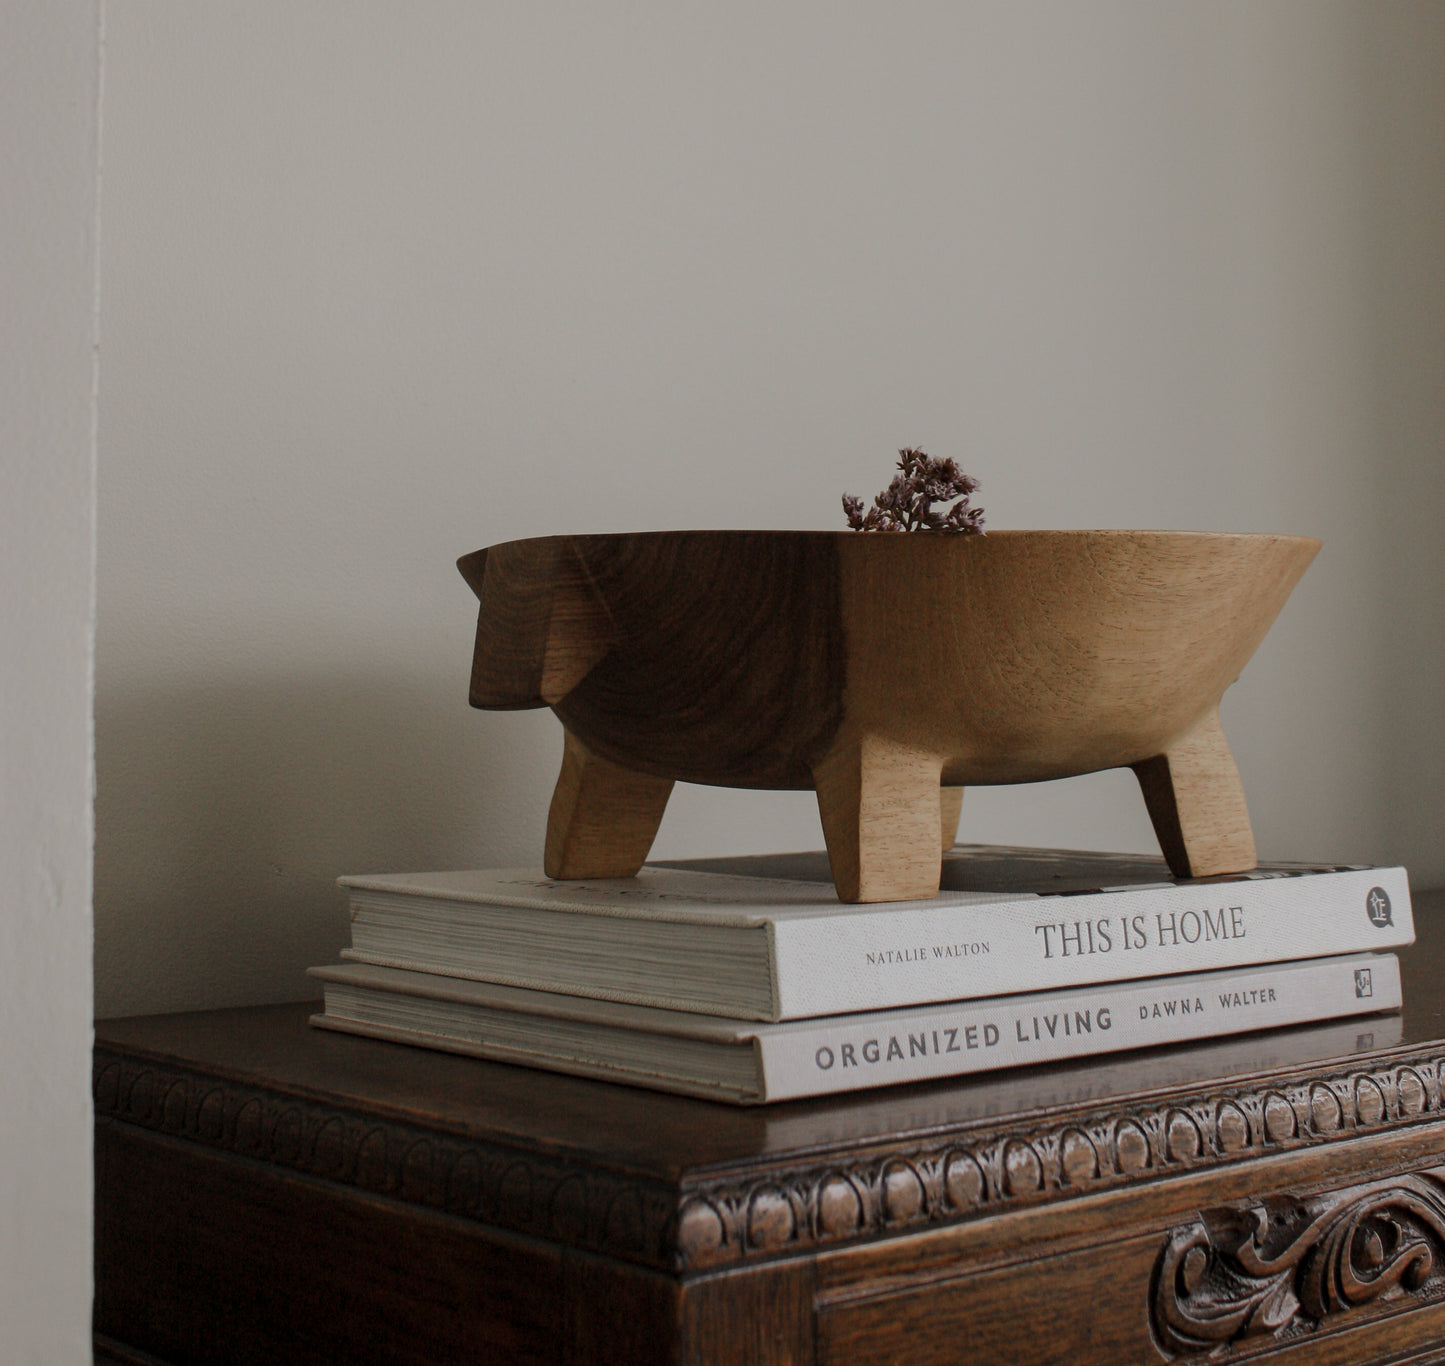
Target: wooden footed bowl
{"x":886,"y":671}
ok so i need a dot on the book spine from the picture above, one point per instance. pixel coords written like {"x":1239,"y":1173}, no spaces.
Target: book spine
{"x":910,"y":954}
{"x":888,"y":1048}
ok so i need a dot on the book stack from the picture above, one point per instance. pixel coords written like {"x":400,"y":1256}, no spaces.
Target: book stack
{"x":745,"y":979}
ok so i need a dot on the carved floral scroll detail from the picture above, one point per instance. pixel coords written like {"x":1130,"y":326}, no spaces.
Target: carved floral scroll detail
{"x":1284,"y":1266}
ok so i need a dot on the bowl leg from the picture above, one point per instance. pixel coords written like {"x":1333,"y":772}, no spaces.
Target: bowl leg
{"x":879,"y":802}
{"x":1197,"y":805}
{"x":603,"y":817}
{"x":950,"y":808}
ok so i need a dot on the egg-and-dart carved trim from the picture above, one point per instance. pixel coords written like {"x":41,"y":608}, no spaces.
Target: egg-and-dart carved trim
{"x":1282,"y":1267}
{"x":503,"y":1187}
{"x":982,"y":1171}
{"x":812,"y":1203}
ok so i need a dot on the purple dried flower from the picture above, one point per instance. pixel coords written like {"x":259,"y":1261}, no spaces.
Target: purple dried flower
{"x":907,"y":503}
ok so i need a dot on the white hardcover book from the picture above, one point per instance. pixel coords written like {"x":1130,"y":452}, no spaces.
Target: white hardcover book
{"x":771,"y":948}
{"x":752,"y":1063}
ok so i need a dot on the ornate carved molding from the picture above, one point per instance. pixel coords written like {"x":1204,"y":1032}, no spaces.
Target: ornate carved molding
{"x":976,"y":1170}
{"x":1284,"y":1267}
{"x":986,"y":1170}
{"x":524,"y":1192}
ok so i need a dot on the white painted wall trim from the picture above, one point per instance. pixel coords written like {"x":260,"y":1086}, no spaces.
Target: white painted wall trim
{"x":49,"y":167}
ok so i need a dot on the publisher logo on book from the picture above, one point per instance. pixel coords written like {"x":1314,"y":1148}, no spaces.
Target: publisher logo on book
{"x":1377,"y":907}
{"x":1362,"y":983}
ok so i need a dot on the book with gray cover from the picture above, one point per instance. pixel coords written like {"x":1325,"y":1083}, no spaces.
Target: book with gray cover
{"x":766,"y":938}
{"x":749,"y":1063}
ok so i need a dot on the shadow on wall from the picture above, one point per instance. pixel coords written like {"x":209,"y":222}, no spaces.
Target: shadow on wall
{"x":226,"y":811}
{"x":1404,"y":175}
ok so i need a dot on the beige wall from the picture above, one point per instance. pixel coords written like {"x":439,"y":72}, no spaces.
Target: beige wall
{"x":49,"y":93}
{"x":386,"y":282}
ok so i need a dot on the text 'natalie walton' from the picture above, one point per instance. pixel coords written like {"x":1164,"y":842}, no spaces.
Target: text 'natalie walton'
{"x":919,"y":953}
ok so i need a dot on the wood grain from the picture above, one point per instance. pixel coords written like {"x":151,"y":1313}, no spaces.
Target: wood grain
{"x":950,"y":812}
{"x":200,"y":1260}
{"x":1196,"y":803}
{"x":764,"y":659}
{"x":881,"y":809}
{"x":268,"y":1192}
{"x":603,"y":818}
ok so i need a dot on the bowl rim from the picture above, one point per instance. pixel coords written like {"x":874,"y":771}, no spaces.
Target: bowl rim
{"x":948,"y":538}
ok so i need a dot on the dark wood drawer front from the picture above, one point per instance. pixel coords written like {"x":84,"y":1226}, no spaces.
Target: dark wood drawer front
{"x":1084,"y":1307}
{"x":200,"y":1259}
{"x":1350,"y":1276}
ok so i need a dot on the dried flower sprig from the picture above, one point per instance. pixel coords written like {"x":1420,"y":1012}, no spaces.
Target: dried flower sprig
{"x":907,"y":503}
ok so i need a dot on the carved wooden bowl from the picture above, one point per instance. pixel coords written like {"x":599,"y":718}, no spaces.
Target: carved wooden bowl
{"x":878,"y":669}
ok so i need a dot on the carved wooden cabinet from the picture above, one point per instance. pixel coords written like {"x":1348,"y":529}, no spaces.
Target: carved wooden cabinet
{"x":270,"y":1193}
